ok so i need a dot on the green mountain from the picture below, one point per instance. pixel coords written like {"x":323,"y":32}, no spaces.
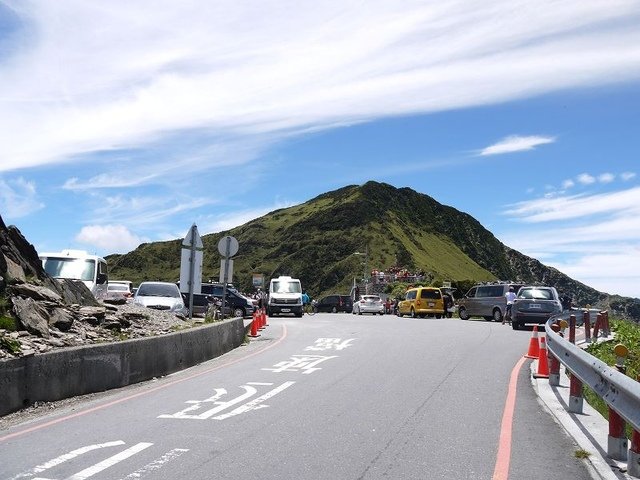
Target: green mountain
{"x":316,"y":242}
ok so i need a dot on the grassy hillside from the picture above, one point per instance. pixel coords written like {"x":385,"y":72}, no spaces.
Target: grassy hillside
{"x":316,"y":242}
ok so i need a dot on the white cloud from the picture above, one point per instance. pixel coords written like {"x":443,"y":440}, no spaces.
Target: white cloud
{"x":515,"y":143}
{"x":606,"y":178}
{"x":111,"y":238}
{"x":18,"y":198}
{"x":623,"y":202}
{"x":592,"y":238}
{"x":134,"y":74}
{"x":568,"y":183}
{"x":626,"y":176}
{"x":586,"y":179}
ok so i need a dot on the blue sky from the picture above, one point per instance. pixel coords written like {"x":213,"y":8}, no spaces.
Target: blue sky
{"x":125,"y":123}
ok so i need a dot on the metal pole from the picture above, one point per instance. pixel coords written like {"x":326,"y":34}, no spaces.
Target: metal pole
{"x":225,"y":275}
{"x":192,"y":269}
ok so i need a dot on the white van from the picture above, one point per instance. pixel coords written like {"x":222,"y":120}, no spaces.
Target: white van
{"x":285,"y":296}
{"x":79,"y":265}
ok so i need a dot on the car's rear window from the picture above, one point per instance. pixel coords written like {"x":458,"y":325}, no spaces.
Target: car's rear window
{"x":536,"y":294}
{"x":432,"y":294}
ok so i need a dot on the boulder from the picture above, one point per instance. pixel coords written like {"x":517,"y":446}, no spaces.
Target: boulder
{"x":31,"y":315}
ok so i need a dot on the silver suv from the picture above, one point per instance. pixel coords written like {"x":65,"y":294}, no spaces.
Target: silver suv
{"x":486,"y":301}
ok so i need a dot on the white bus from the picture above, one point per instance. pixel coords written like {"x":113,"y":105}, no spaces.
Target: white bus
{"x":79,"y":265}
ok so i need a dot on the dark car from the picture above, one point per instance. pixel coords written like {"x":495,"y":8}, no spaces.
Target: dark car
{"x":335,"y":303}
{"x":534,"y":305}
{"x":235,"y":302}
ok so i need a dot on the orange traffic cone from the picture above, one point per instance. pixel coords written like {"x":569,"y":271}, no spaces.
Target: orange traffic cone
{"x":534,"y":346}
{"x":543,"y":361}
{"x":254,"y":326}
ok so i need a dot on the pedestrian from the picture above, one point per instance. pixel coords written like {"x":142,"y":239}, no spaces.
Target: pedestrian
{"x":510,"y":297}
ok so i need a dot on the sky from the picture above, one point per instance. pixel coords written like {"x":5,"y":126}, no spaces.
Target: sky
{"x":127,"y":122}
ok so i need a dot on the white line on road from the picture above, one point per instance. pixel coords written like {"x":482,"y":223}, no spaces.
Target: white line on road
{"x":156,"y":464}
{"x":109,"y":462}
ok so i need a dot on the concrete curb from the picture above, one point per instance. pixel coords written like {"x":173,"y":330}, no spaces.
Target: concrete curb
{"x":80,"y":370}
{"x":589,"y":430}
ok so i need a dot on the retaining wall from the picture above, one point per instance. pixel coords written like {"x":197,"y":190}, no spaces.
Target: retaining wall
{"x":80,"y":370}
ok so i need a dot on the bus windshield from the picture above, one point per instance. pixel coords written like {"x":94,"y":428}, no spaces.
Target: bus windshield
{"x":76,"y":268}
{"x":286,"y":286}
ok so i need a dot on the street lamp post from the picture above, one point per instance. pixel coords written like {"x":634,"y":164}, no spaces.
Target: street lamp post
{"x":365,"y":276}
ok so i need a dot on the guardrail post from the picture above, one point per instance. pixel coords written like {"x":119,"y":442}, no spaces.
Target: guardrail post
{"x":617,"y":440}
{"x":575,"y":385}
{"x":586,"y":322}
{"x":597,"y":327}
{"x":633,"y":460}
{"x":554,"y":363}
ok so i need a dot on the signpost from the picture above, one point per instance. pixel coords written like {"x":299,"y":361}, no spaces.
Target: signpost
{"x":228,"y":247}
{"x":191,"y":265}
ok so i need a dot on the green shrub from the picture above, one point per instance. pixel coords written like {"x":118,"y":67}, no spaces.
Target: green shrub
{"x":8,"y":323}
{"x":628,"y":334}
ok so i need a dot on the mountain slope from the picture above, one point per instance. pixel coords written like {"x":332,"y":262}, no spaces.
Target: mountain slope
{"x":316,"y":242}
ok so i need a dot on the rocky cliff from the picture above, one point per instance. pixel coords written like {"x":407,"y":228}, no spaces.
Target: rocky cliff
{"x":38,"y":313}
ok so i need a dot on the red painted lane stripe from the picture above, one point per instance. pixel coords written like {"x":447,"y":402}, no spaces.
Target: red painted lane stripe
{"x":140,"y":394}
{"x":501,"y":471}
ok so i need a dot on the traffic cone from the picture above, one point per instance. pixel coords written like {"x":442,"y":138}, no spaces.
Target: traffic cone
{"x":254,"y":326}
{"x":534,"y":346}
{"x":264,"y":318}
{"x":543,"y":361}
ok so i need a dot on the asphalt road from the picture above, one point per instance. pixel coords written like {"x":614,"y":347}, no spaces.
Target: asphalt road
{"x":330,"y":396}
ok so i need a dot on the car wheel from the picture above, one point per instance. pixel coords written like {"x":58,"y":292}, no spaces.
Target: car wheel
{"x":238,"y":312}
{"x":438,"y":316}
{"x":334,"y":310}
{"x":515,"y":325}
{"x":462,"y":313}
{"x":497,"y":315}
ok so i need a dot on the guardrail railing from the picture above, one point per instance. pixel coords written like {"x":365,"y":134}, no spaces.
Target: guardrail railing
{"x":621,"y":393}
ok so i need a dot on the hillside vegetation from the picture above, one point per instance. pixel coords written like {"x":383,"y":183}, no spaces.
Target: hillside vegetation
{"x":316,"y":241}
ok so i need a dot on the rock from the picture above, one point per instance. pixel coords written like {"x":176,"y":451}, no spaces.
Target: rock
{"x":61,"y":319}
{"x":91,"y":321}
{"x":31,"y":315}
{"x":35,"y":292}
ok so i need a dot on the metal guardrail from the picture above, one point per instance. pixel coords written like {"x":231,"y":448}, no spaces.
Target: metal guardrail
{"x":621,"y":393}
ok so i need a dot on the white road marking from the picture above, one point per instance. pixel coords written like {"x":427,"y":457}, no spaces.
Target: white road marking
{"x":156,"y":464}
{"x":249,"y":392}
{"x":67,"y":456}
{"x":330,"y":344}
{"x":109,"y":462}
{"x":305,"y":363}
{"x":256,"y":403}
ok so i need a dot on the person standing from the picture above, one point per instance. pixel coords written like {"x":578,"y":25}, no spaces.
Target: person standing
{"x":510,"y":296}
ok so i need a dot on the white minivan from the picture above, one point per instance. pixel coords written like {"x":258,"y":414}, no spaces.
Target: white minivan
{"x":79,"y":265}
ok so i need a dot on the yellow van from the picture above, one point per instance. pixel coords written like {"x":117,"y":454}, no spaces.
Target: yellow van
{"x":422,"y":302}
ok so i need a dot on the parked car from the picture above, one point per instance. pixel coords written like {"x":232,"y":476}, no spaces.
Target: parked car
{"x":236,"y":304}
{"x":486,"y":301}
{"x":119,"y":290}
{"x":335,"y":303}
{"x":422,"y":302}
{"x":161,"y":296}
{"x":534,"y":305}
{"x":369,"y":304}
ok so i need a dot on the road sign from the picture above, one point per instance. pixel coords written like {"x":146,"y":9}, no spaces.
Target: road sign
{"x":191,"y":265}
{"x":228,"y":246}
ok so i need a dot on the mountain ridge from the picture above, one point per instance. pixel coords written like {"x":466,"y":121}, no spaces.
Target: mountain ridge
{"x":316,"y":241}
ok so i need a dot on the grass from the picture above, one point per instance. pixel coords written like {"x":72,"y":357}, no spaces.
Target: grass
{"x":628,"y":334}
{"x":8,"y":323}
{"x":582,"y":454}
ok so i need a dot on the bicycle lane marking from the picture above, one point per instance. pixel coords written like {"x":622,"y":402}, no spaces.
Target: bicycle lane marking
{"x":503,"y":458}
{"x":140,"y":394}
